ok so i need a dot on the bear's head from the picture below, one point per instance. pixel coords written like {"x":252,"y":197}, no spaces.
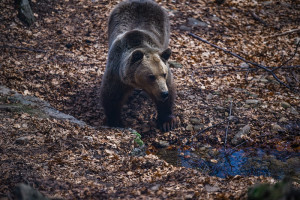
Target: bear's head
{"x":149,"y":71}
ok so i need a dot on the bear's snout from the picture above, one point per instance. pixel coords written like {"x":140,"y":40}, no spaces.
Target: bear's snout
{"x":164,"y":95}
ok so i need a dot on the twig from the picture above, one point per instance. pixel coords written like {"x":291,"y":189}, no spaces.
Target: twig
{"x":243,"y":59}
{"x":223,"y":75}
{"x":204,"y":130}
{"x":257,"y":18}
{"x":240,"y":144}
{"x":246,"y":75}
{"x":288,"y":60}
{"x":24,"y":48}
{"x":226,"y":132}
{"x":285,"y":33}
{"x":288,"y":67}
{"x":295,"y":77}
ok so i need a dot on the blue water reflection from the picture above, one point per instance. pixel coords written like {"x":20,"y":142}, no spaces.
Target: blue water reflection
{"x":246,"y":162}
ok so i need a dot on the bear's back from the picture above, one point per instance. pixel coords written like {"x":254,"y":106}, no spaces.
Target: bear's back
{"x":143,"y":15}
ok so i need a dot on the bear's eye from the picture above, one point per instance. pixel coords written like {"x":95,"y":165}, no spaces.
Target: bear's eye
{"x":164,"y":75}
{"x":151,"y":77}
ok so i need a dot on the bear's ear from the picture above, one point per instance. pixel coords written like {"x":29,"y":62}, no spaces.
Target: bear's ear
{"x":165,"y":55}
{"x":136,"y":56}
{"x":133,"y":38}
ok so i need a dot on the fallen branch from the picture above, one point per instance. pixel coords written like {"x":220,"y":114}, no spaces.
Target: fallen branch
{"x":289,"y":67}
{"x":288,"y":60}
{"x":202,"y":131}
{"x":226,"y":132}
{"x":286,"y":33}
{"x":257,"y":18}
{"x":243,"y":59}
{"x":239,"y":145}
{"x":24,"y":48}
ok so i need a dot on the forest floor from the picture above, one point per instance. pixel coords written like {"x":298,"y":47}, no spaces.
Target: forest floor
{"x":222,"y":102}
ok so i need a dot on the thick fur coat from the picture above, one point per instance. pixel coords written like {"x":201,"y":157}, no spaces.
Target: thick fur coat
{"x":138,"y":33}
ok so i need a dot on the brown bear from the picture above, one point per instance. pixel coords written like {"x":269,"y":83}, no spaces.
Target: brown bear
{"x":138,"y":34}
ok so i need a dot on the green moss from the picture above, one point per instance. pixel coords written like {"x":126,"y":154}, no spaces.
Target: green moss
{"x":138,"y":139}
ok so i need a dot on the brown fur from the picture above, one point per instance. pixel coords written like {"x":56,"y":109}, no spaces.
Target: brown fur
{"x":138,"y":53}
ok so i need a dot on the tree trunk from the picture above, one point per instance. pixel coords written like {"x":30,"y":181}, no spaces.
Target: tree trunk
{"x":25,"y":13}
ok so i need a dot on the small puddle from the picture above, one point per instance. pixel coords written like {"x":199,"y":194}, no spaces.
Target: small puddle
{"x":246,"y":162}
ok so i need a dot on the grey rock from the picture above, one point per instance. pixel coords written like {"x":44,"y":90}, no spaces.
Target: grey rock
{"x":254,"y":95}
{"x":4,"y":90}
{"x":89,"y":138}
{"x":195,"y":121}
{"x":10,"y":108}
{"x":239,"y":136}
{"x":220,"y":109}
{"x":25,"y":192}
{"x":285,"y":104}
{"x":35,"y":104}
{"x":198,"y":127}
{"x":215,"y":18}
{"x":283,"y":119}
{"x":195,"y":23}
{"x":211,"y":188}
{"x":266,"y":3}
{"x":174,"y":64}
{"x":263,"y":80}
{"x":252,"y":101}
{"x":185,"y":28}
{"x":23,"y":140}
{"x":189,"y":127}
{"x":191,"y":96}
{"x":244,"y":65}
{"x":188,"y":196}
{"x":217,"y":92}
{"x":275,"y":127}
{"x":293,"y":161}
{"x":155,"y":187}
{"x":209,"y":96}
{"x":238,"y":89}
{"x":232,"y":118}
{"x":294,"y":111}
{"x":297,"y":40}
{"x":245,"y":130}
{"x":59,"y":115}
{"x":164,"y":143}
{"x":139,"y":151}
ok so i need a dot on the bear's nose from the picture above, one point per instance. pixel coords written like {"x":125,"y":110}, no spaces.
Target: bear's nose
{"x":164,"y":95}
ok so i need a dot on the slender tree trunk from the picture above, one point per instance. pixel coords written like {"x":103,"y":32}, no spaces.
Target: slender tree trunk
{"x":25,"y":13}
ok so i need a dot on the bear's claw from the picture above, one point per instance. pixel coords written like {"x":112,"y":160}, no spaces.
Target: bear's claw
{"x":168,"y":123}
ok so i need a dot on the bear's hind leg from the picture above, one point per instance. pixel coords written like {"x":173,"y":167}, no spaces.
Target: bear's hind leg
{"x":113,"y":99}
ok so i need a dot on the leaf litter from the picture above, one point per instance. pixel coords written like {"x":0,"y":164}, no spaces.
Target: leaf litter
{"x":61,"y":59}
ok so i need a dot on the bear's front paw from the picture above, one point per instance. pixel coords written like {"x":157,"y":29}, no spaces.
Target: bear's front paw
{"x":167,"y":123}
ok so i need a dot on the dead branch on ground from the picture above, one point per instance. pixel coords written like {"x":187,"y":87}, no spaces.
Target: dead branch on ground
{"x":288,"y":60}
{"x":229,"y":117}
{"x":268,"y":69}
{"x":202,"y":131}
{"x":286,"y":32}
{"x":257,"y":18}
